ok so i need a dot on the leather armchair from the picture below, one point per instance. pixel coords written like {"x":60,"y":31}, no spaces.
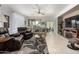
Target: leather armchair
{"x":14,"y":43}
{"x":27,"y":34}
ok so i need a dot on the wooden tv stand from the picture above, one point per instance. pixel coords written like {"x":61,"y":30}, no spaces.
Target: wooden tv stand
{"x":73,"y":31}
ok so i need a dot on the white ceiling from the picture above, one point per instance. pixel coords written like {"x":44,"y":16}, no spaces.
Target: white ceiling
{"x":30,"y":9}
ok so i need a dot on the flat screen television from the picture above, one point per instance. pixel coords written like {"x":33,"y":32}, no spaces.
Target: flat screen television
{"x":68,"y":23}
{"x":72,"y":22}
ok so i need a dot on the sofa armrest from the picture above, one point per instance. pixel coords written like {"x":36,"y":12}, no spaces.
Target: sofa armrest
{"x":15,"y":35}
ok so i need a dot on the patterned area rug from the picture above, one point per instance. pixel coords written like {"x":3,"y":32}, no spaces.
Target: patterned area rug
{"x":36,"y":46}
{"x":32,"y":46}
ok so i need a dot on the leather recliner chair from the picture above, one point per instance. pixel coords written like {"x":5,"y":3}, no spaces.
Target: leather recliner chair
{"x":12,"y":44}
{"x":27,"y":34}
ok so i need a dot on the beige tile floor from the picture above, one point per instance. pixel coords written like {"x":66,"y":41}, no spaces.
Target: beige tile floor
{"x":58,"y":44}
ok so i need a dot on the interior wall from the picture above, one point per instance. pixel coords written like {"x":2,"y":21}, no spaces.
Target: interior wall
{"x":55,"y":25}
{"x":71,"y":14}
{"x":16,"y":21}
{"x":5,"y":10}
{"x":26,"y":21}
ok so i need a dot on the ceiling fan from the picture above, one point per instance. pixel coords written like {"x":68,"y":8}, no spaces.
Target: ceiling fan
{"x":39,"y":10}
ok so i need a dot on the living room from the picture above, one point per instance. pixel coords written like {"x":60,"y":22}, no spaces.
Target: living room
{"x":23,"y":30}
{"x":35,"y":32}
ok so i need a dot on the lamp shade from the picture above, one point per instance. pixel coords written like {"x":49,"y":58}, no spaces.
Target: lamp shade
{"x":2,"y":18}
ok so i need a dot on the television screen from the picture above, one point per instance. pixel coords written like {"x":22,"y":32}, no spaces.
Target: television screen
{"x":68,"y":23}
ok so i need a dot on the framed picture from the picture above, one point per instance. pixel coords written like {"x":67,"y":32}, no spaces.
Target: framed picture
{"x":6,"y":24}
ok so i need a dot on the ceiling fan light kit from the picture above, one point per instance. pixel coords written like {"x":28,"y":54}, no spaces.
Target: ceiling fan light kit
{"x":39,"y":10}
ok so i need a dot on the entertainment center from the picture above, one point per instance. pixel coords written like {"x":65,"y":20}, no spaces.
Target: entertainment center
{"x":72,"y":26}
{"x":69,"y":27}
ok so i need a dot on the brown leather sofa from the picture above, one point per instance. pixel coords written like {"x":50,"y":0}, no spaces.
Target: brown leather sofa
{"x":14,"y":43}
{"x":26,"y":34}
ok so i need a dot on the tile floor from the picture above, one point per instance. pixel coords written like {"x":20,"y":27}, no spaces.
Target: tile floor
{"x":58,"y":44}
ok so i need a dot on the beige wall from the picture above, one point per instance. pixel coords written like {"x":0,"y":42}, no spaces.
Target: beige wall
{"x":71,"y":14}
{"x":74,"y":11}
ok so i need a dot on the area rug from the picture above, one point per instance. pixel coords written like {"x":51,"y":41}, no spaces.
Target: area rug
{"x":31,"y":46}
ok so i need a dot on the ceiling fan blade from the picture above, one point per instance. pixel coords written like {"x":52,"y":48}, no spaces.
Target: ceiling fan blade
{"x":39,"y":10}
